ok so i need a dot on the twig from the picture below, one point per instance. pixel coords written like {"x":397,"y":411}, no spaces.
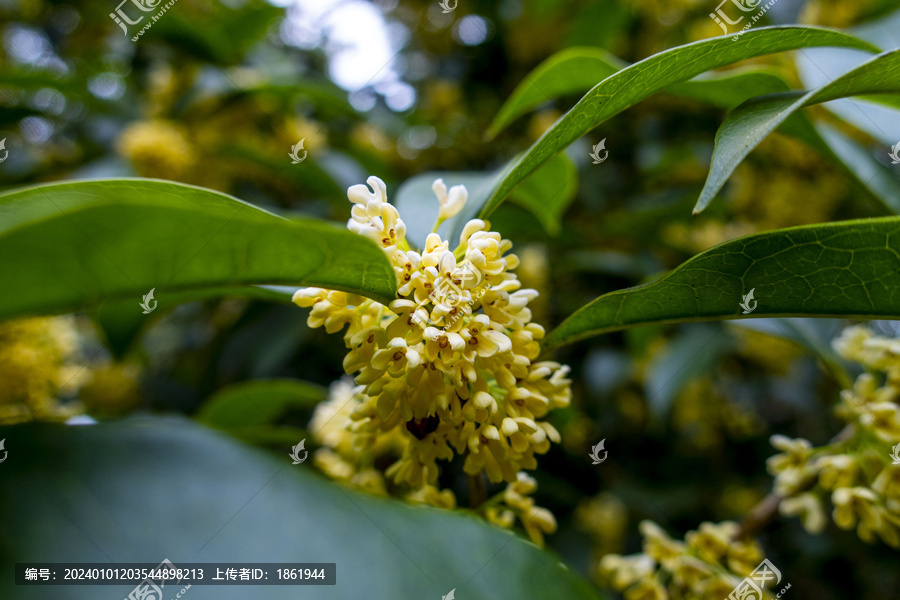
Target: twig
{"x":477,"y":493}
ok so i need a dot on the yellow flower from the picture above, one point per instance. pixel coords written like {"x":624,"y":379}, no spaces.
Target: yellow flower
{"x":659,"y":545}
{"x":712,"y":540}
{"x":887,"y":483}
{"x":448,"y":365}
{"x":689,"y":572}
{"x":624,"y":571}
{"x":157,"y":149}
{"x":883,"y":418}
{"x":744,"y":557}
{"x":450,"y":204}
{"x":852,"y":505}
{"x":791,"y":468}
{"x":809,"y":508}
{"x":112,"y":389}
{"x":648,"y":589}
{"x":33,"y":357}
{"x":837,"y":471}
{"x":434,"y":497}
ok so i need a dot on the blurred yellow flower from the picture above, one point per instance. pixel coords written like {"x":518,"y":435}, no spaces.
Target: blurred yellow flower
{"x":157,"y":149}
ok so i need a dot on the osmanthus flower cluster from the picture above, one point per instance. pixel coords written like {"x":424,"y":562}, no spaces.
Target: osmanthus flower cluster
{"x":856,"y":469}
{"x":448,"y":368}
{"x":35,"y":356}
{"x":707,"y":565}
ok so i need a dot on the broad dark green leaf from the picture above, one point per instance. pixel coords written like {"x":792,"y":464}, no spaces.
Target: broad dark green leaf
{"x":576,"y":70}
{"x":72,"y":245}
{"x":754,"y":120}
{"x":651,"y":75}
{"x":258,"y":402}
{"x":848,"y":269}
{"x":148,"y":488}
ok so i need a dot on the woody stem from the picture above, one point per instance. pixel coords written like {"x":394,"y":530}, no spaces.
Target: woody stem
{"x":477,"y":492}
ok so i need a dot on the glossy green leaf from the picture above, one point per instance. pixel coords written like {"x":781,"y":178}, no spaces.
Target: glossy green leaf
{"x":651,"y":75}
{"x":848,"y":269}
{"x":258,"y":402}
{"x":569,"y":71}
{"x":152,"y":488}
{"x":72,"y":245}
{"x":754,"y":120}
{"x":576,"y":70}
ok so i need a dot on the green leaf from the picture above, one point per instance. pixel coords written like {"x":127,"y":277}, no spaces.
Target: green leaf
{"x":121,"y":324}
{"x":546,"y":194}
{"x":863,"y":167}
{"x":78,"y":244}
{"x":146,"y":489}
{"x":566,"y":72}
{"x":576,"y":70}
{"x":651,"y":75}
{"x":754,"y":120}
{"x":549,"y":192}
{"x":849,"y":269}
{"x":311,"y":177}
{"x":229,"y":30}
{"x":258,"y":402}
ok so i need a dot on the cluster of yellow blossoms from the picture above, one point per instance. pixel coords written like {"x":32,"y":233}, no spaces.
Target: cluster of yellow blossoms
{"x":34,"y":354}
{"x":448,"y":368}
{"x":44,"y":375}
{"x":707,"y":565}
{"x":857,"y":468}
